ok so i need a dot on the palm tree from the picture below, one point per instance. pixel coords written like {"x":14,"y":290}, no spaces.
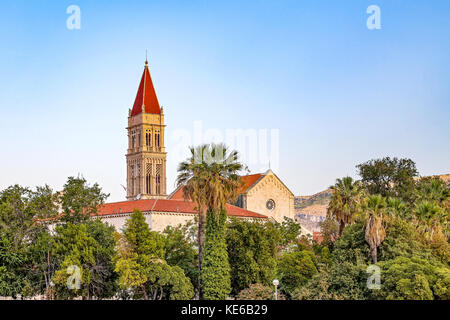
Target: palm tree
{"x":375,"y":230}
{"x":344,"y":203}
{"x":396,"y":207}
{"x":431,"y":216}
{"x":434,"y":190}
{"x":209,"y":178}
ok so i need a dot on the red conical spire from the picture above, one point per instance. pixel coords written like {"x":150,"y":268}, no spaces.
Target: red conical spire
{"x":146,"y":100}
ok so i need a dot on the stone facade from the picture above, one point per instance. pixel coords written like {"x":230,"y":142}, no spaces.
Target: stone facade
{"x":269,"y":196}
{"x":158,"y":221}
{"x":160,"y":213}
{"x":146,"y":157}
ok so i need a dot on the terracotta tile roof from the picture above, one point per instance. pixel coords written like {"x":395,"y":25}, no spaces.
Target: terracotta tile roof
{"x":318,"y":237}
{"x":146,"y":95}
{"x":248,"y":181}
{"x":177,"y":194}
{"x":164,"y":205}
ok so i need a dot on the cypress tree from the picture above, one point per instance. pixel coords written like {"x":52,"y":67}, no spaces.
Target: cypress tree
{"x":215,"y":275}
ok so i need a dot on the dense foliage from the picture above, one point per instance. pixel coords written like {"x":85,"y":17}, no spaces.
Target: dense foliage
{"x":140,"y":263}
{"x":252,"y":251}
{"x":67,"y":256}
{"x":215,"y":275}
{"x":210,"y":178}
{"x":400,"y":224}
{"x":386,"y":236}
{"x":389,"y":177}
{"x":258,"y":291}
{"x":180,"y":249}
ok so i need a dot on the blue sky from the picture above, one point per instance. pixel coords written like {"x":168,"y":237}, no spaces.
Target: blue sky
{"x":338,"y":93}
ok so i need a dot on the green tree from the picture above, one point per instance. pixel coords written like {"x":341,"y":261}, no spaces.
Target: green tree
{"x":414,"y":279}
{"x":432,"y":189}
{"x":215,"y":275}
{"x":168,"y":282}
{"x":104,"y":279}
{"x":41,"y":265}
{"x":143,"y":241}
{"x":180,"y":249}
{"x":431,"y":217}
{"x":375,"y":230}
{"x":141,"y":266}
{"x":352,"y":246}
{"x":88,"y":247}
{"x":11,"y":281}
{"x":325,"y":255}
{"x":402,"y":240}
{"x":345,"y":201}
{"x":20,"y":212}
{"x":295,"y":269}
{"x":318,"y":288}
{"x":389,"y":177}
{"x":258,"y":291}
{"x":413,"y":255}
{"x":347,"y":275}
{"x":396,"y":207}
{"x":74,"y":248}
{"x":79,"y":201}
{"x":138,"y":249}
{"x":20,"y":209}
{"x":289,"y":233}
{"x":210,"y":179}
{"x":252,"y":249}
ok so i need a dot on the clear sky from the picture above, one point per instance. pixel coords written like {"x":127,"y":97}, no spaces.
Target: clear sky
{"x":338,"y":93}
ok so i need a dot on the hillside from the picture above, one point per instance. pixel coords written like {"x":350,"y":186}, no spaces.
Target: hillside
{"x":310,"y":210}
{"x":445,"y":177}
{"x":303,"y":203}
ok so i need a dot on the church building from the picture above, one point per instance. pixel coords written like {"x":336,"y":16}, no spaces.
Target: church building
{"x":263,"y":193}
{"x":262,"y":196}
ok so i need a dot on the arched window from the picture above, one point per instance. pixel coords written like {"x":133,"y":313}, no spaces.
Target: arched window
{"x":157,"y":142}
{"x":139,"y":178}
{"x":132,"y":180}
{"x":148,"y":175}
{"x":158,"y":179}
{"x":148,"y":138}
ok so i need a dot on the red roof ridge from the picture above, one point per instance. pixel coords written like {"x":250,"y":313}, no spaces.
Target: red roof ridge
{"x":146,"y":100}
{"x":249,"y":181}
{"x":167,"y":205}
{"x":253,"y":174}
{"x":174,"y":192}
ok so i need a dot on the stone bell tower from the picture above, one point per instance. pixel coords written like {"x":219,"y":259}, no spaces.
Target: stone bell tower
{"x":146,"y":156}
